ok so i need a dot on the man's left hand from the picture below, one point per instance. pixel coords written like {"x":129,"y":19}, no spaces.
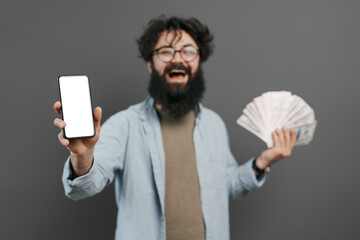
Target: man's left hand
{"x":284,"y":141}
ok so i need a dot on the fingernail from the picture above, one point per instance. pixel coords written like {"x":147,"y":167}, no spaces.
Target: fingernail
{"x":61,"y":124}
{"x":64,"y":142}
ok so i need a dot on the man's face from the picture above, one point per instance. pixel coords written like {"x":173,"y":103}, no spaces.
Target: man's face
{"x":173,"y":76}
{"x":176,"y":85}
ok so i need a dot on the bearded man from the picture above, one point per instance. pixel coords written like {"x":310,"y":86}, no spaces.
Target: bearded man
{"x":169,"y":155}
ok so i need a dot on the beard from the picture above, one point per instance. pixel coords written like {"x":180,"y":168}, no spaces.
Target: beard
{"x":177,"y":99}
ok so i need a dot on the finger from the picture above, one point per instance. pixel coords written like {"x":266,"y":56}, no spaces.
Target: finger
{"x":63,"y":140}
{"x":97,"y":114}
{"x":292,"y":137}
{"x":57,"y":107}
{"x":97,"y":118}
{"x":276,"y":138}
{"x":286,"y":135}
{"x":281,"y":136}
{"x":59,"y":123}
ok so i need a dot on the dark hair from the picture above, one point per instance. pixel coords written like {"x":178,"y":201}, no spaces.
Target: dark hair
{"x":199,"y":32}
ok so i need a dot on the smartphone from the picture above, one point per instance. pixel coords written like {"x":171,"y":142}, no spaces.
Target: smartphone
{"x":76,"y":107}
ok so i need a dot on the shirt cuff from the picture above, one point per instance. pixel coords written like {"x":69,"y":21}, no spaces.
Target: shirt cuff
{"x":78,"y":182}
{"x":249,"y":178}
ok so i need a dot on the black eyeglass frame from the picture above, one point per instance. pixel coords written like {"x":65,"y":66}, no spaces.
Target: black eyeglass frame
{"x":175,"y":51}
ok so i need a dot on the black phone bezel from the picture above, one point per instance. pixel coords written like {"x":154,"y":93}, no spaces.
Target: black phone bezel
{"x":61,"y":112}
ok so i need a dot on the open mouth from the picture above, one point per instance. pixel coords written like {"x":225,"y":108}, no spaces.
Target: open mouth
{"x":177,"y":76}
{"x":177,"y":73}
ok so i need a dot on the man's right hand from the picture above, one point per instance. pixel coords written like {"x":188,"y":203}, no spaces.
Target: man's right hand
{"x":82,"y":149}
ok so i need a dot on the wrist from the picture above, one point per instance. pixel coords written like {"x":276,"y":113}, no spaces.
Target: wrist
{"x":259,"y":171}
{"x":81,"y":163}
{"x":261,"y":163}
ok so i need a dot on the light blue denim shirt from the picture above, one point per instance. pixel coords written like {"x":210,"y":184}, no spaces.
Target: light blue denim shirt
{"x":130,"y":150}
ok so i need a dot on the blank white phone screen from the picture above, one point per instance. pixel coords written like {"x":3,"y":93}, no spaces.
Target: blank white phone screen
{"x":76,"y":106}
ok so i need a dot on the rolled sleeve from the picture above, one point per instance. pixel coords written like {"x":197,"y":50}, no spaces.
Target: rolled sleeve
{"x":247,"y":176}
{"x":244,"y":180}
{"x":80,"y":187}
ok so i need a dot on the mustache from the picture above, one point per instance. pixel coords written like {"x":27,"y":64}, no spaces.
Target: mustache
{"x":177,"y":66}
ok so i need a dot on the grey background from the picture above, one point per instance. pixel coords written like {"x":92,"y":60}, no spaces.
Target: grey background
{"x":308,"y":47}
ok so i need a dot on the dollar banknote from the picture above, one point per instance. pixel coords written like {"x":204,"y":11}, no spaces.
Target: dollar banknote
{"x":276,"y":109}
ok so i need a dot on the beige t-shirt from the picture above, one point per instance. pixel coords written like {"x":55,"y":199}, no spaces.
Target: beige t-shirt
{"x":183,"y":212}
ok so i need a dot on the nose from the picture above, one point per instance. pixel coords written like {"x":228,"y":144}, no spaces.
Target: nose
{"x":177,"y":57}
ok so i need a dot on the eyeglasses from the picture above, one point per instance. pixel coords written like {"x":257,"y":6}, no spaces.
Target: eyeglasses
{"x":187,"y":53}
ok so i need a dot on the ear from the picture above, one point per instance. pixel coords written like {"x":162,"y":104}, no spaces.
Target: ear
{"x":149,"y":66}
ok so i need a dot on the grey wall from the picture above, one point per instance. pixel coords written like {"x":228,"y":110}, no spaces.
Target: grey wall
{"x":308,"y":47}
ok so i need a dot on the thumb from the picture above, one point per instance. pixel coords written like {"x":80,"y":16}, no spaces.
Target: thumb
{"x":97,"y":116}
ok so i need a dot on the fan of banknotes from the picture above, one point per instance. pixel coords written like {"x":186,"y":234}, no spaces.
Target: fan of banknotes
{"x":275,"y":109}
